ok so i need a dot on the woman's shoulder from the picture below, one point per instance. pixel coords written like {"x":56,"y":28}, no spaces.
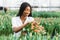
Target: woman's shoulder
{"x":17,"y":17}
{"x":30,"y":18}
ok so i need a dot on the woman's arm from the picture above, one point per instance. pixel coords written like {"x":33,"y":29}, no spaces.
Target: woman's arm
{"x":17,"y":29}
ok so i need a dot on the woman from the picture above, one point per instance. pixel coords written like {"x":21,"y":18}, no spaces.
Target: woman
{"x":23,"y":18}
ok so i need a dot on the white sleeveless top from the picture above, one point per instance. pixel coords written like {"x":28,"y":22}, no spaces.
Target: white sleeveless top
{"x":16,"y":22}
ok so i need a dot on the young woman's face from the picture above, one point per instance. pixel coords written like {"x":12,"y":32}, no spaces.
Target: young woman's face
{"x":26,"y":11}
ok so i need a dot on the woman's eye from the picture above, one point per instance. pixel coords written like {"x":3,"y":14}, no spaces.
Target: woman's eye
{"x":27,"y":9}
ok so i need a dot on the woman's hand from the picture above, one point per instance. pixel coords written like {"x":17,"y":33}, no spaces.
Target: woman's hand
{"x":36,"y":28}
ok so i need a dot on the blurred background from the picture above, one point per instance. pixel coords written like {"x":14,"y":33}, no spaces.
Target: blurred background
{"x":45,"y":12}
{"x":38,"y":5}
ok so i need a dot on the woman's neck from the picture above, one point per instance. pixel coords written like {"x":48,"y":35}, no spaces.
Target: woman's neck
{"x":23,"y":18}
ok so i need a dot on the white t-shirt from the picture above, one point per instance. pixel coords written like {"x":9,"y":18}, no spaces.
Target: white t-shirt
{"x":16,"y":22}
